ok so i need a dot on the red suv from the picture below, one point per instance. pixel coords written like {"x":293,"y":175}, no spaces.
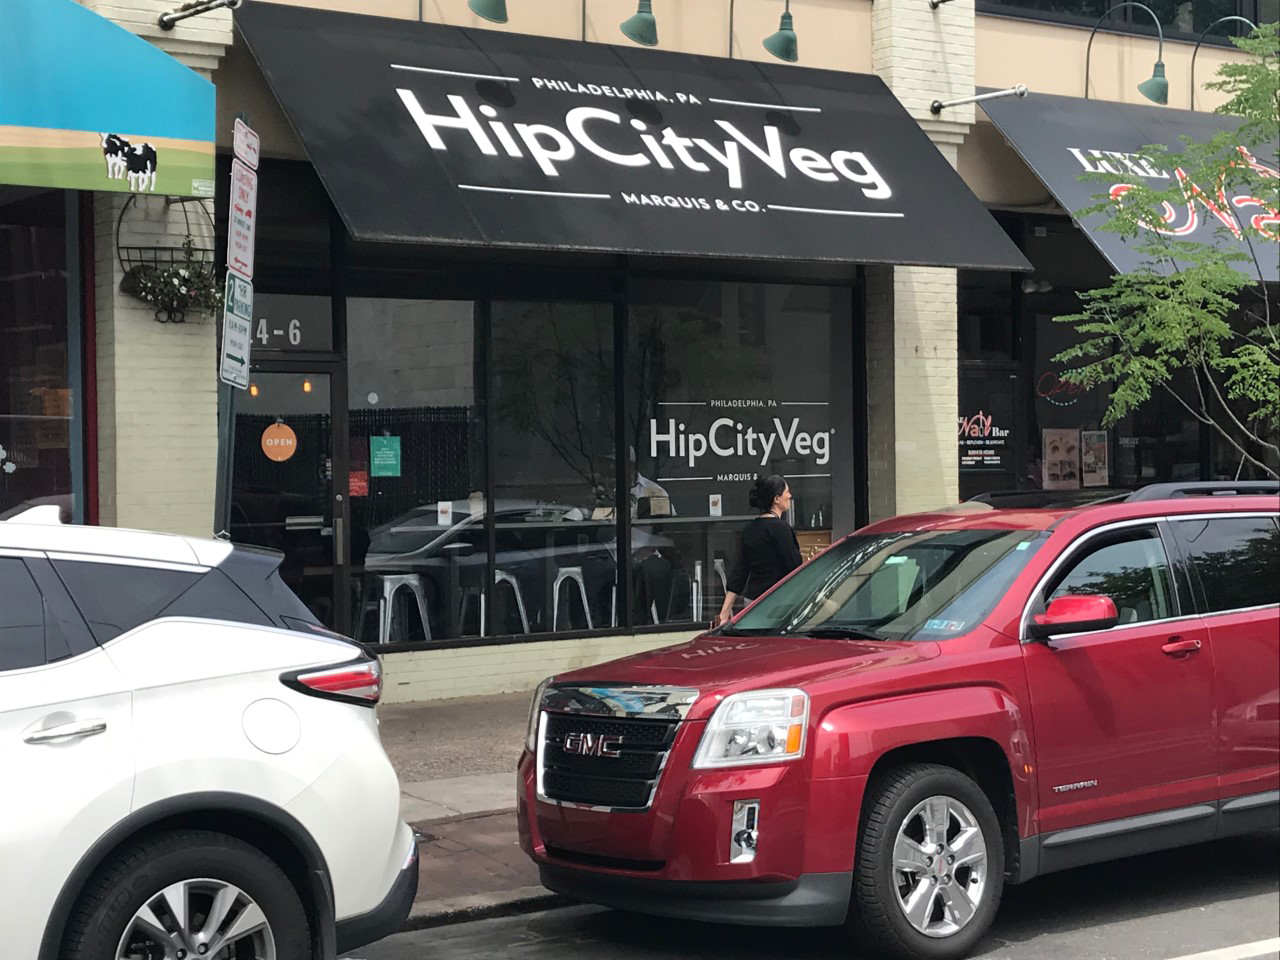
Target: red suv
{"x":934,"y":707}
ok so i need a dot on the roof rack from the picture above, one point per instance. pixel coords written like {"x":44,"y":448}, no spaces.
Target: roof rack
{"x":1208,"y":488}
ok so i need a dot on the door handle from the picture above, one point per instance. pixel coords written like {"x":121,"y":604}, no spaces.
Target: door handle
{"x":1176,"y":647}
{"x":67,"y":731}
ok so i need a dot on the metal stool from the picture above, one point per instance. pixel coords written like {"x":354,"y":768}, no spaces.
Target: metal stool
{"x":477,"y":592}
{"x":393,"y":583}
{"x":500,"y":577}
{"x":575,"y":574}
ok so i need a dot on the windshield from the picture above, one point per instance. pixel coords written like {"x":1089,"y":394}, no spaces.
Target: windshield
{"x":912,"y":585}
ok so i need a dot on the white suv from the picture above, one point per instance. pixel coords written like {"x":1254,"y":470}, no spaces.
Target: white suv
{"x":191,"y":767}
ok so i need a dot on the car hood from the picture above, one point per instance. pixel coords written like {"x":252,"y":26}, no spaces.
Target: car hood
{"x":727,"y":664}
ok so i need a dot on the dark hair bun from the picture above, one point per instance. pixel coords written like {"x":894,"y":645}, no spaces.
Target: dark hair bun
{"x":765,"y":490}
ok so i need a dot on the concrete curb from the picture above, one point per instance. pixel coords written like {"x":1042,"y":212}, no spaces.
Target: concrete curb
{"x":482,"y":906}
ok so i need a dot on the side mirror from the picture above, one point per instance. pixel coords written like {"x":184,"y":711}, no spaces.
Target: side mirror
{"x":1074,"y":613}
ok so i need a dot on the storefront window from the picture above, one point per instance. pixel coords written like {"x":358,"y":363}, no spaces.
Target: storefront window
{"x":728,"y":382}
{"x":554,"y":467}
{"x":1021,"y":424}
{"x":36,"y":389}
{"x":419,"y":547}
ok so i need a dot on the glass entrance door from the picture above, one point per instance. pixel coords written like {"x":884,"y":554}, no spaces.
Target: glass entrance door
{"x":282,"y":493}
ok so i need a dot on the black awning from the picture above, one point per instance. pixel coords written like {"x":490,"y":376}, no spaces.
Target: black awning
{"x":1062,"y":138}
{"x":426,"y":133}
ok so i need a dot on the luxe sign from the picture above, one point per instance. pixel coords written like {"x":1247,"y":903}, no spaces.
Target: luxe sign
{"x":1065,"y":138}
{"x":437,"y":134}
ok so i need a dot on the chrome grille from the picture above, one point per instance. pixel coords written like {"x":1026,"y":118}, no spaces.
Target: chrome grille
{"x":626,"y":781}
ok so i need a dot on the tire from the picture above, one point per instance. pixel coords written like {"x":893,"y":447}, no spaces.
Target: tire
{"x":197,"y":872}
{"x":900,"y":806}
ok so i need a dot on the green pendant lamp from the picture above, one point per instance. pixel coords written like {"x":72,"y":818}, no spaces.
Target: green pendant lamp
{"x":642,"y":28}
{"x":1157,"y":88}
{"x":495,"y":10}
{"x":783,"y":43}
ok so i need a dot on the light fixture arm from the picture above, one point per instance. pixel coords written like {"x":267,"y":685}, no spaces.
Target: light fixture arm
{"x":935,"y":4}
{"x":194,"y":9}
{"x":938,"y":106}
{"x":1088,"y":51}
{"x":1252,"y":26}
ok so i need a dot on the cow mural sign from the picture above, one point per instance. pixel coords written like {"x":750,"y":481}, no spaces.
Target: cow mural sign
{"x":86,"y":105}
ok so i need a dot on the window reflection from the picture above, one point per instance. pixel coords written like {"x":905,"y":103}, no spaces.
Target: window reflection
{"x":554,"y":468}
{"x":35,"y":389}
{"x":419,"y":550}
{"x":726,"y":382}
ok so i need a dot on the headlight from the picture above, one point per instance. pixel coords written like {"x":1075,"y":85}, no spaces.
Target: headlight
{"x":763,"y":726}
{"x":535,"y":711}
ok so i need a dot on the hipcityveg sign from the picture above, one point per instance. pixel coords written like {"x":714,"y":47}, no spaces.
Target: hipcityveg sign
{"x":727,"y":438}
{"x":609,"y":136}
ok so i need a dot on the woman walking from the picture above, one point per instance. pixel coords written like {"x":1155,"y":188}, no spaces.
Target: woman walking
{"x":769,"y":548}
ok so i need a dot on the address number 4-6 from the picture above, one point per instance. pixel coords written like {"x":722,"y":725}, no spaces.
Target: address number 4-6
{"x":264,"y":334}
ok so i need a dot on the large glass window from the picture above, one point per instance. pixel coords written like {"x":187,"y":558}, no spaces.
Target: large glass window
{"x":554,"y":466}
{"x":727,"y":382}
{"x":419,"y":548}
{"x":36,"y":396}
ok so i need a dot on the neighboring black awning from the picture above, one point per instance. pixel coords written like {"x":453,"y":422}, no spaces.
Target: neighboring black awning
{"x":434,"y":134}
{"x":1062,"y":138}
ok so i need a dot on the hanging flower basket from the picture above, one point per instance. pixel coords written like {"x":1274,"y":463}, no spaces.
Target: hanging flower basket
{"x":188,"y":283}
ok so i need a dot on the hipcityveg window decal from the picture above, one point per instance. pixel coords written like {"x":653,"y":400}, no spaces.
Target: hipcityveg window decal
{"x":728,"y":437}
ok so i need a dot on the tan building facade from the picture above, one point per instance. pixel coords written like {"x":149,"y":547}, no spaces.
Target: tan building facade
{"x":157,"y":396}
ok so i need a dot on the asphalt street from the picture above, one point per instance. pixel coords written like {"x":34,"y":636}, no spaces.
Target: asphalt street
{"x":1217,"y":901}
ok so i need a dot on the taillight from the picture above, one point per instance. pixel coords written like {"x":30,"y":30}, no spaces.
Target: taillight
{"x":357,"y":682}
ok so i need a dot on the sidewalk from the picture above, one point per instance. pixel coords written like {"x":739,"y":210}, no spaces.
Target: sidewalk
{"x":457,"y":765}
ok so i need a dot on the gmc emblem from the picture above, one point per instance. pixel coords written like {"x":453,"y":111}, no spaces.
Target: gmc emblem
{"x":591,"y":745}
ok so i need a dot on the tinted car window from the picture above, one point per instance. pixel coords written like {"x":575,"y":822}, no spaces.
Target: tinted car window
{"x":1237,"y":560}
{"x":21,"y":617}
{"x":65,"y":632}
{"x":115,"y":598}
{"x":215,"y":597}
{"x":1132,"y":571}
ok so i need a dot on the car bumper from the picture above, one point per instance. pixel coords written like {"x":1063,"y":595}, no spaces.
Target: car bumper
{"x":811,"y":900}
{"x":387,"y":917}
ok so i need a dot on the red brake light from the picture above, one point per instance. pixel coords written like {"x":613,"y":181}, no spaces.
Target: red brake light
{"x":359,"y":682}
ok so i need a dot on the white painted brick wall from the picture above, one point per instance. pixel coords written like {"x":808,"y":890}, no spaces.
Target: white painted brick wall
{"x":481,"y":671}
{"x":157,"y":383}
{"x":923,"y":55}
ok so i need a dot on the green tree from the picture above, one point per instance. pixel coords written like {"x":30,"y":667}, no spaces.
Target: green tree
{"x":1196,"y":320}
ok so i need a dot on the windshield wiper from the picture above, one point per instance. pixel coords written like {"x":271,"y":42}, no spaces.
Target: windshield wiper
{"x":843,"y":633}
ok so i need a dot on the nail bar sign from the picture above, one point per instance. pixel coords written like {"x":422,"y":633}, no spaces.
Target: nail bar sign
{"x":984,"y":445}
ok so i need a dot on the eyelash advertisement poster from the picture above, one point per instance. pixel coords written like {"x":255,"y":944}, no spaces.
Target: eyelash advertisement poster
{"x":1061,"y":459}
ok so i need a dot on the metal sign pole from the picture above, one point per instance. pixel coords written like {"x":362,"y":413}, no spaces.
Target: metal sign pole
{"x":226,"y":460}
{"x":237,"y":313}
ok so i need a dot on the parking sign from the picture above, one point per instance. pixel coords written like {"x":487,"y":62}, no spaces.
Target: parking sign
{"x":237,"y":327}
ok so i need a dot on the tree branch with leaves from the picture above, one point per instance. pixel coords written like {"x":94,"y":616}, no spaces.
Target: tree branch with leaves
{"x":1198,"y":319}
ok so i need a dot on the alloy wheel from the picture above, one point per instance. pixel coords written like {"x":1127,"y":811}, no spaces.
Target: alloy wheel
{"x":940,"y":866}
{"x":198,"y":920}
